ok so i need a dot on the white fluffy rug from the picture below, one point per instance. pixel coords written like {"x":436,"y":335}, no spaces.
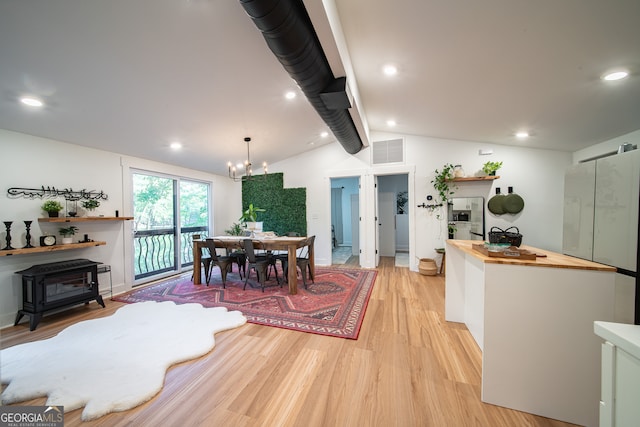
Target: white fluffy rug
{"x":113,"y":363}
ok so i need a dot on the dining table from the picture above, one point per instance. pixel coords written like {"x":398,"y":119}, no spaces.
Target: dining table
{"x":281,"y":243}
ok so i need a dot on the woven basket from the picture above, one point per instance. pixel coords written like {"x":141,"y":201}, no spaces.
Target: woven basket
{"x":497,"y":235}
{"x":427,"y":267}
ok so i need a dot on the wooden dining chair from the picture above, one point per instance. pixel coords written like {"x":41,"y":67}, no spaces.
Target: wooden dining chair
{"x":222,"y":262}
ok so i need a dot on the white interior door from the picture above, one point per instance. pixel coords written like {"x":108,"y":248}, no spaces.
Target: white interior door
{"x":355,"y":224}
{"x":377,"y":222}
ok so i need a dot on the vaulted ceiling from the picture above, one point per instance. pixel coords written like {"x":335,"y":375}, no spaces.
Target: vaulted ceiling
{"x":134,"y":76}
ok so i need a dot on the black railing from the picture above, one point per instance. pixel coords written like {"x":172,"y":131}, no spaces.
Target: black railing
{"x":155,"y":251}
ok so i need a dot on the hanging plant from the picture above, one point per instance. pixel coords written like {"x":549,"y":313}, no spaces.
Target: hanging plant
{"x":443,"y":183}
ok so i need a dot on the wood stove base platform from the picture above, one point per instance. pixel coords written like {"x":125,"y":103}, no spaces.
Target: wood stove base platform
{"x":34,"y":318}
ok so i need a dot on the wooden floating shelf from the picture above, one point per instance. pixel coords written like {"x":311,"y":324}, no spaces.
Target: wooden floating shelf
{"x":475,"y":178}
{"x":50,"y":248}
{"x":85,"y":218}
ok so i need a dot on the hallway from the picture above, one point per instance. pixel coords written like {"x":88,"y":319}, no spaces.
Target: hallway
{"x":342,"y":255}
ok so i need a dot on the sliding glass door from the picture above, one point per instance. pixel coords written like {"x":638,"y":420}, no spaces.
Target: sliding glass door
{"x":168,"y":211}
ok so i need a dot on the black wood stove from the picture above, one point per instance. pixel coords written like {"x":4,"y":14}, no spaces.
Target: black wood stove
{"x":55,"y":285}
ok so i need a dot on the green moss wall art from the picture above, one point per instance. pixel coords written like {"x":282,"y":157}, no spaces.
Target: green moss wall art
{"x":285,"y":208}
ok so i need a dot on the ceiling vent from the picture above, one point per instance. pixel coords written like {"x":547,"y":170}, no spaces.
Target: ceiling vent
{"x":391,"y":151}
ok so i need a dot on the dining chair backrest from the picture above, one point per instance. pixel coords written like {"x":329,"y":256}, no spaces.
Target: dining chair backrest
{"x":248,"y":249}
{"x":210,"y":244}
{"x":308,"y":242}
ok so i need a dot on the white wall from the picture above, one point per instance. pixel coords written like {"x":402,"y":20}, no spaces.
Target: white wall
{"x":33,"y":162}
{"x":537,"y":175}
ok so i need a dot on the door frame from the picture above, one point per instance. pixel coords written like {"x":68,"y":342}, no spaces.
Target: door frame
{"x":131,"y":165}
{"x":368,"y":222}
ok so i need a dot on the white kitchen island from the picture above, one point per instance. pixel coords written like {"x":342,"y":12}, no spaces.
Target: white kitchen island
{"x":533,"y":321}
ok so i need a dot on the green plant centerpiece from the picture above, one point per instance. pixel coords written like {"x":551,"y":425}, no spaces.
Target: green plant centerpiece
{"x":52,"y":207}
{"x":490,"y":168}
{"x":90,"y":204}
{"x":443,"y":183}
{"x":67,"y":233}
{"x":250,"y":217}
{"x":235,"y":230}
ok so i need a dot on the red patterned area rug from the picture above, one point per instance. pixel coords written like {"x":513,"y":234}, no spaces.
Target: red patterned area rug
{"x":334,"y":305}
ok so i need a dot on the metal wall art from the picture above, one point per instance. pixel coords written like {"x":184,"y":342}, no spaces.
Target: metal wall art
{"x":67,"y":193}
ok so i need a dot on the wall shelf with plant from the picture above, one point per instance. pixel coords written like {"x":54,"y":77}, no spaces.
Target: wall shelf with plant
{"x":475,"y":178}
{"x":84,"y":219}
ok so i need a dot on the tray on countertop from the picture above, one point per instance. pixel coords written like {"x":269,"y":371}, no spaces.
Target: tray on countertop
{"x":511,"y":253}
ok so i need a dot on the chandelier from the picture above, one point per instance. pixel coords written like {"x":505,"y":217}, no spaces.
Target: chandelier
{"x":248,"y":171}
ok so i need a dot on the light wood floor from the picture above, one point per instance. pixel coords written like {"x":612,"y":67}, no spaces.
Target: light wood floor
{"x":408,"y":368}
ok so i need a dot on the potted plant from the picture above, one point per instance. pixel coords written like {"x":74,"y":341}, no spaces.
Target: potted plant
{"x":250,"y":218}
{"x":52,"y":207}
{"x":490,"y":168}
{"x":67,"y":233}
{"x":442,"y":182}
{"x":451,"y":230}
{"x":90,"y":205}
{"x":235,"y":230}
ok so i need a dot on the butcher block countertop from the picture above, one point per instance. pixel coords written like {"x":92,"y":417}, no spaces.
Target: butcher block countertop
{"x":552,"y":259}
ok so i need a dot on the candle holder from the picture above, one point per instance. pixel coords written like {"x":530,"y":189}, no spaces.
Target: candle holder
{"x":72,"y":206}
{"x":27,"y":224}
{"x":8,"y":238}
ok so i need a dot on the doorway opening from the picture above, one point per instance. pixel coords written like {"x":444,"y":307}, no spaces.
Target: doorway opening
{"x":345,"y":221}
{"x":393,"y":218}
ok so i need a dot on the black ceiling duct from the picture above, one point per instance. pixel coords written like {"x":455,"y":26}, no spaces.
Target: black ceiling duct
{"x":287,"y":29}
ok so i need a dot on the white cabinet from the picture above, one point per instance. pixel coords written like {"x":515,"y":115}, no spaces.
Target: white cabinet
{"x":601,"y":210}
{"x":615,"y":224}
{"x":579,"y":195}
{"x":620,"y":373}
{"x":461,"y":204}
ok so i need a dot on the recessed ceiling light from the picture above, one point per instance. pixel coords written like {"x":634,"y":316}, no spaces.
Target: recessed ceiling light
{"x":324,"y":134}
{"x":391,"y":123}
{"x":615,"y":75}
{"x":175,"y":145}
{"x":390,"y":70}
{"x":290,"y":95}
{"x":522,"y":135}
{"x":31,"y":101}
